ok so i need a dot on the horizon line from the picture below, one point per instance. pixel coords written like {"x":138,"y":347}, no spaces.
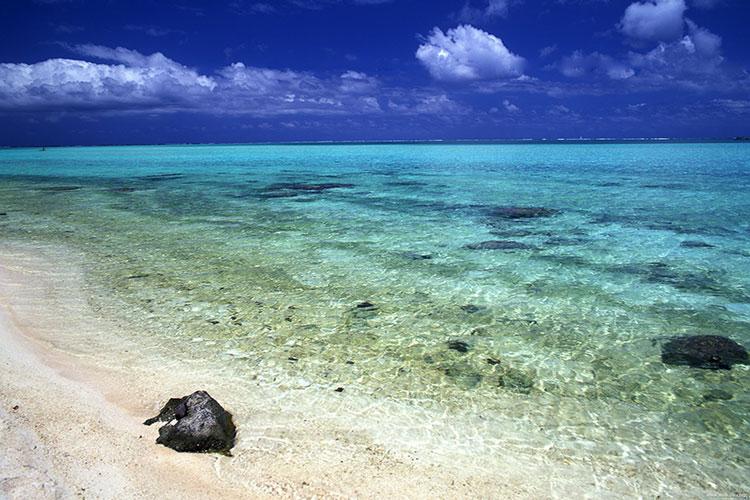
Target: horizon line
{"x":739,"y":138}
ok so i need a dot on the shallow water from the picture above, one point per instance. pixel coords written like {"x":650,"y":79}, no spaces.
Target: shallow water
{"x":258,"y":257}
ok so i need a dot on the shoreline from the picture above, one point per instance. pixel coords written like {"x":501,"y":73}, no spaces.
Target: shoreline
{"x":73,"y":424}
{"x":72,"y":431}
{"x":83,"y":383}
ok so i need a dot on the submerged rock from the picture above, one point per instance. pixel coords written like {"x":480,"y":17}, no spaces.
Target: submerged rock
{"x":58,"y":189}
{"x":711,"y":352}
{"x":312,"y":188}
{"x":717,"y":395}
{"x":498,"y":245}
{"x":201,"y":425}
{"x":160,"y":177}
{"x":515,"y":213}
{"x":463,"y":375}
{"x":416,"y":256}
{"x":458,"y":345}
{"x":295,"y":189}
{"x":695,"y":244}
{"x":516,"y":233}
{"x":515,"y":380}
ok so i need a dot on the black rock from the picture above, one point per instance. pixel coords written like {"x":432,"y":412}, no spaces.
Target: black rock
{"x":695,"y":244}
{"x":515,"y":213}
{"x":711,"y":352}
{"x":167,"y":413}
{"x":498,"y":245}
{"x":458,"y":345}
{"x":201,"y":425}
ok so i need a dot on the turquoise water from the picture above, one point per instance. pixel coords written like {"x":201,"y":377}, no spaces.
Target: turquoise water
{"x":260,"y":255}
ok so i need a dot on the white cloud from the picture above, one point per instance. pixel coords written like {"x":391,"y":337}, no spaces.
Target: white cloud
{"x":697,"y":53}
{"x":467,"y":53}
{"x":140,"y":82}
{"x":510,"y":107}
{"x":265,"y":91}
{"x":134,"y":82}
{"x":355,"y":82}
{"x":654,"y":20}
{"x":425,"y":103}
{"x":692,"y":61}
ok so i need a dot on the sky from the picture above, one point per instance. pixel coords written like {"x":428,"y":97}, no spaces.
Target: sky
{"x":176,"y":71}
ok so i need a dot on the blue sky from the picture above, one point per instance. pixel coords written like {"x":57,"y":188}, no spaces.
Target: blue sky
{"x":147,"y":71}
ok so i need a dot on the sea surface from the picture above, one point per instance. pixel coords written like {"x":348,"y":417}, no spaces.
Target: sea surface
{"x":365,"y":268}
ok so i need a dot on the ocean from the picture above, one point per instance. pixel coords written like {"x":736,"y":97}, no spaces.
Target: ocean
{"x":522,"y":291}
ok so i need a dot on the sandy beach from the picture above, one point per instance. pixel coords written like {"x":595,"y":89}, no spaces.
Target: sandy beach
{"x":71,"y":423}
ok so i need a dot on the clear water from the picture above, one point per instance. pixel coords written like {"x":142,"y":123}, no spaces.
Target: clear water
{"x":240,"y":253}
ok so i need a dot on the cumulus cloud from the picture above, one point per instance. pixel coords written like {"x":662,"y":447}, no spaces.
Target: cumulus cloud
{"x":693,"y":61}
{"x":136,"y":82}
{"x":696,"y":54}
{"x":685,"y":55}
{"x":139,"y":82}
{"x":123,"y":80}
{"x":467,"y":53}
{"x":654,"y":20}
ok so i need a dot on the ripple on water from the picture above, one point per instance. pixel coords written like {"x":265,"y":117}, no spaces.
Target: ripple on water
{"x":557,"y":333}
